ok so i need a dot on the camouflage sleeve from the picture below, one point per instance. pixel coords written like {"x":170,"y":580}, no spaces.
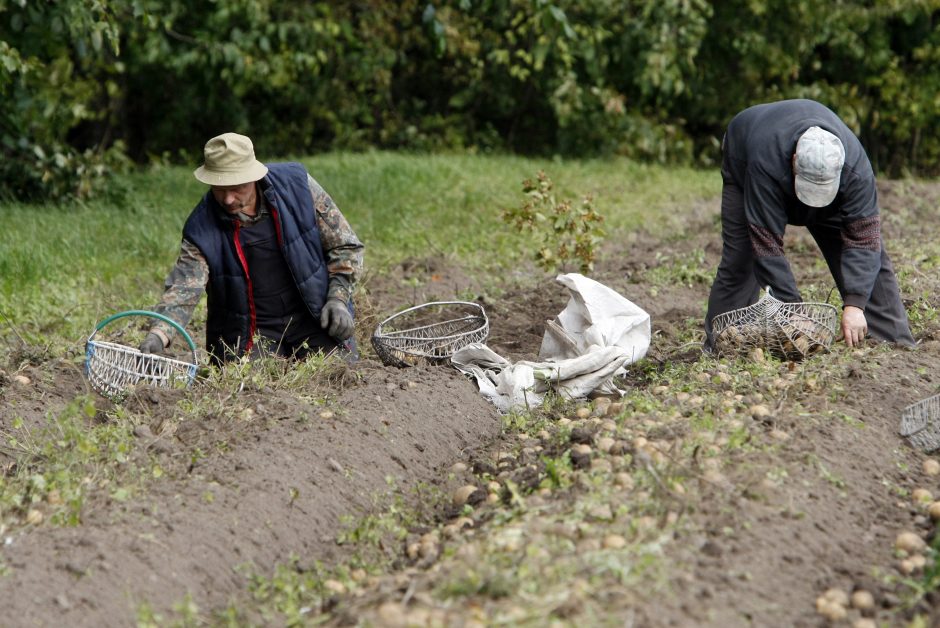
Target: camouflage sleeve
{"x":185,"y":285}
{"x":342,"y":248}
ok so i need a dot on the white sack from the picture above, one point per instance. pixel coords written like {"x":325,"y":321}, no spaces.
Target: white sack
{"x":595,"y":316}
{"x":589,"y":343}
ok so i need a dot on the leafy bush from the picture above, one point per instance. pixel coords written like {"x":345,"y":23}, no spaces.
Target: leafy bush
{"x":654,"y":80}
{"x":57,"y":62}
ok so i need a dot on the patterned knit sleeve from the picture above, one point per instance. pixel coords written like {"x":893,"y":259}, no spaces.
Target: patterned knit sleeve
{"x":184,"y":287}
{"x":343,"y":250}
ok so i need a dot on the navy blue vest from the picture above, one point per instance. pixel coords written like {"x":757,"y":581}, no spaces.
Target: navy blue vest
{"x":231,"y":318}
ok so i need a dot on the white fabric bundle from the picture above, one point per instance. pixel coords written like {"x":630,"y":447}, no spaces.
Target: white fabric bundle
{"x":588,"y":344}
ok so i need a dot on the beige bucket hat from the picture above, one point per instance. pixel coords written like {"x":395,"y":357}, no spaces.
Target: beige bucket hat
{"x":230,"y":160}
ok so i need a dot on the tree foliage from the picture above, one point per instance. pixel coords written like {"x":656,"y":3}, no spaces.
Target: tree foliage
{"x":86,"y":83}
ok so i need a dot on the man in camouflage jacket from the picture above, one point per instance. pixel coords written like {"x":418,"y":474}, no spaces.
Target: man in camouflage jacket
{"x":275,"y":256}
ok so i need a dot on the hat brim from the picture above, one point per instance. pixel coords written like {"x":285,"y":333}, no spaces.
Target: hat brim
{"x":254,"y":172}
{"x":815,"y":194}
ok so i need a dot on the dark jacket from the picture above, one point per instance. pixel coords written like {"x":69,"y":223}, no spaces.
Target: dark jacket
{"x":231,"y":319}
{"x":758,"y":150}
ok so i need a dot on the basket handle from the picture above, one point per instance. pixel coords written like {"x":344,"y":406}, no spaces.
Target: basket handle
{"x":157,"y":315}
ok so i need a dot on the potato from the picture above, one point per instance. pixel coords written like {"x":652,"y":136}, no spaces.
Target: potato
{"x":829,"y":609}
{"x":921,"y":496}
{"x":816,"y":348}
{"x":392,"y":614}
{"x":863,"y":600}
{"x":909,"y":542}
{"x":759,"y":411}
{"x":802,"y":344}
{"x":934,"y":511}
{"x":931,"y":467}
{"x":605,"y":444}
{"x":837,"y":596}
{"x":462,"y":494}
{"x":624,"y":480}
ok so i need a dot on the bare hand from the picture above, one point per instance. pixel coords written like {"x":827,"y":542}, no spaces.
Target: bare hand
{"x":854,"y":325}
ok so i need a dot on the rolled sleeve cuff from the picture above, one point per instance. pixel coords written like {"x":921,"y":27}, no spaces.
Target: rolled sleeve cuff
{"x":855,"y":300}
{"x":340,"y":288}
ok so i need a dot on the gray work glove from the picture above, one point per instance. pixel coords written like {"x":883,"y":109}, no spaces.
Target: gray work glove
{"x":151,"y":344}
{"x":336,"y":319}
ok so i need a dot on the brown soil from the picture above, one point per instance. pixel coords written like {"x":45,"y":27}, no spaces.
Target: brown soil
{"x":277,"y":482}
{"x":281,"y":481}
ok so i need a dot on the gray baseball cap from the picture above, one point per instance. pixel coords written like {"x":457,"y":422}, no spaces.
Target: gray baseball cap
{"x":817,"y":167}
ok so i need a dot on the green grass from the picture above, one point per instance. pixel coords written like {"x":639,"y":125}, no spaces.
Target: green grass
{"x":65,"y":267}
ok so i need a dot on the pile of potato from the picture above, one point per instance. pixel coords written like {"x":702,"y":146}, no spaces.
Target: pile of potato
{"x":788,"y":342}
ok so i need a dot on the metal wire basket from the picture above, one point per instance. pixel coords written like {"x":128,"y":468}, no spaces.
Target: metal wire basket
{"x":433,"y":332}
{"x":920,"y":423}
{"x":112,"y":368}
{"x":790,"y":331}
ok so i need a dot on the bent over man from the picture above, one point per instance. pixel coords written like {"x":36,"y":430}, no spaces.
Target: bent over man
{"x":277,"y":258}
{"x":795,"y":162}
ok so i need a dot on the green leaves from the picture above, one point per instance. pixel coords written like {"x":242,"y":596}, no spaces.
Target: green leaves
{"x":567,"y":234}
{"x":654,"y":80}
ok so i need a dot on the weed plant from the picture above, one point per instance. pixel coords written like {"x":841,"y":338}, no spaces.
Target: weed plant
{"x":59,"y":464}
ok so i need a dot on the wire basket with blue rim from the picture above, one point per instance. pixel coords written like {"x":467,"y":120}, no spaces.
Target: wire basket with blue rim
{"x":789,"y":331}
{"x":431,"y":332}
{"x":920,"y":423}
{"x":113,"y":369}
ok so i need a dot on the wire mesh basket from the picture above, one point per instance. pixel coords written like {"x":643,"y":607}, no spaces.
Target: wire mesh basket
{"x":790,"y":331}
{"x":112,"y":368}
{"x":432,"y":332}
{"x":920,"y":423}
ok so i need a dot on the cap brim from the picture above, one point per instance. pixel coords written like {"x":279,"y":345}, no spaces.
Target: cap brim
{"x":816,"y":194}
{"x":251,"y":174}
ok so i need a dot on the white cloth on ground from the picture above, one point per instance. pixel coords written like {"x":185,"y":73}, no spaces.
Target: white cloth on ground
{"x":588,"y":344}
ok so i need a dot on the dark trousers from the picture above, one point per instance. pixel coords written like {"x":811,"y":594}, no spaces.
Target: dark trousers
{"x":302,"y":348}
{"x":735,"y":285}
